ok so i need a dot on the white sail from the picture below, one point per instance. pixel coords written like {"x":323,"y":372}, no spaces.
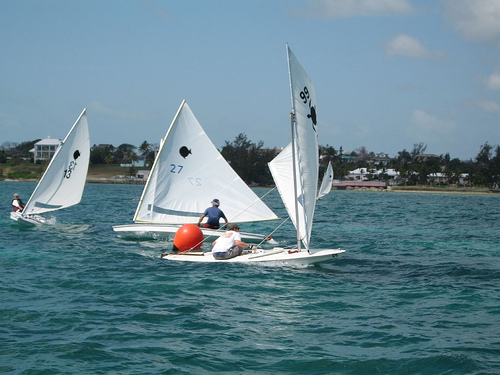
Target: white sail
{"x":188,"y":173}
{"x":63,"y":182}
{"x":300,"y":179}
{"x":281,"y":168}
{"x":326,"y":184}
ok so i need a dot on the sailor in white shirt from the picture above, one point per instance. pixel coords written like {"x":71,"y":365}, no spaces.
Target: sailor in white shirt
{"x":229,"y":245}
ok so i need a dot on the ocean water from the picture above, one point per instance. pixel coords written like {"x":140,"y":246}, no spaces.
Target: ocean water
{"x":417,"y":292}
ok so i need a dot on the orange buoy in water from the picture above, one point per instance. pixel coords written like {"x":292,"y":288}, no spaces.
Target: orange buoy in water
{"x":188,"y":237}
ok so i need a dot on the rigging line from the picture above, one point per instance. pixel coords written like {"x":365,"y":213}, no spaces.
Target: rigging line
{"x":270,"y":234}
{"x":259,"y":199}
{"x":268,"y":192}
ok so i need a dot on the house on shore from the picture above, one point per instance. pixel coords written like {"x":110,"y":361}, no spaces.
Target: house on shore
{"x":45,"y":149}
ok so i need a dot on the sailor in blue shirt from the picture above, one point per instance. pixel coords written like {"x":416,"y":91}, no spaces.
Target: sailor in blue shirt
{"x":214,"y":214}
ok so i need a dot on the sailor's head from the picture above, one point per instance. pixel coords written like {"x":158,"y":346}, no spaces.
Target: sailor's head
{"x":216,"y":202}
{"x":16,"y":195}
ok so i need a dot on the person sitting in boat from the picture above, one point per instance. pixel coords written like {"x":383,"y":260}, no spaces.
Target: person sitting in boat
{"x":229,"y":245}
{"x":17,"y":203}
{"x":214,"y":214}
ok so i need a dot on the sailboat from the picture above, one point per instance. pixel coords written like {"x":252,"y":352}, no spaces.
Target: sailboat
{"x":63,"y":182}
{"x":326,"y":183}
{"x":295,"y":172}
{"x":187,"y":174}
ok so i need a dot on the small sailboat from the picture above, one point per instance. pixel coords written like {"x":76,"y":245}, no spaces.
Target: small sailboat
{"x":63,"y":182}
{"x":295,"y":172}
{"x":326,"y":183}
{"x":188,"y":173}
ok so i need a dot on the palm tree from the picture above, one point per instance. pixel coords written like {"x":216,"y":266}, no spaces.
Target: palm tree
{"x":144,"y":148}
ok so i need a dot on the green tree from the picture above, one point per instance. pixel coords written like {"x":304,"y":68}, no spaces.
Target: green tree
{"x":483,"y":175}
{"x":19,"y":151}
{"x":418,"y":148}
{"x":123,"y":153}
{"x":486,"y":171}
{"x":132,"y":171}
{"x":101,"y":154}
{"x":403,"y":165}
{"x":144,"y":148}
{"x":249,"y":160}
{"x":495,"y":168}
{"x":3,"y":156}
{"x":327,"y":154}
{"x":147,"y":152}
{"x":130,"y":157}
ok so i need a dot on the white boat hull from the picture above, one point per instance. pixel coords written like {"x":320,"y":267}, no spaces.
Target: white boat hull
{"x":168,"y":231}
{"x":28,"y":219}
{"x":272,"y":256}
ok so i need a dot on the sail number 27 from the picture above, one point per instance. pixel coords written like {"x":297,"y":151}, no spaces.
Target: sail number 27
{"x":176,"y":168}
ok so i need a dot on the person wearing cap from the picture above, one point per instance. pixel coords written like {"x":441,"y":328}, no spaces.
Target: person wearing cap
{"x":17,"y":203}
{"x":214,"y":214}
{"x":229,"y":245}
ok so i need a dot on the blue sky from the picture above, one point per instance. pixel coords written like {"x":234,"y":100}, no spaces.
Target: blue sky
{"x":387,"y":73}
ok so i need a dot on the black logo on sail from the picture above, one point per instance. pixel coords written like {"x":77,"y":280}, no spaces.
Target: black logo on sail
{"x":184,"y":151}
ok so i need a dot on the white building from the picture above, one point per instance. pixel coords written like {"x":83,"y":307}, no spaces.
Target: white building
{"x":45,"y":149}
{"x":363,"y":174}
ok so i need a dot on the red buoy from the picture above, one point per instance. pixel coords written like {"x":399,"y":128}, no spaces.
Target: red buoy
{"x":188,"y":237}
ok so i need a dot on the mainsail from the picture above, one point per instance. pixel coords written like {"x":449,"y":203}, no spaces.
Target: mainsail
{"x":188,"y":173}
{"x":64,"y":179}
{"x":295,"y":169}
{"x":326,"y":184}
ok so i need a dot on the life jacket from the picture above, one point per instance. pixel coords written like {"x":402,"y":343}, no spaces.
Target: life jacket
{"x":21,"y":204}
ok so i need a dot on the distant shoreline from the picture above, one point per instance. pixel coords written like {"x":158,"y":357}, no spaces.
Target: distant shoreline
{"x":408,"y":189}
{"x":125,"y":181}
{"x":92,"y":180}
{"x":439,"y":190}
{"x":423,"y":189}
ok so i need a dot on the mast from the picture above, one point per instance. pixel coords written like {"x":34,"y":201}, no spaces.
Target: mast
{"x":297,"y":216}
{"x":294,"y":156}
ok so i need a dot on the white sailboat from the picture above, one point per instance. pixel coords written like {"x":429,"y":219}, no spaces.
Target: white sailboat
{"x":326,"y":183}
{"x":63,"y":182}
{"x":295,"y":172}
{"x":188,"y":173}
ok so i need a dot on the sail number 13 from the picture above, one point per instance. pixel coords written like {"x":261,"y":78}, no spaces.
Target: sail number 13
{"x":71,"y":167}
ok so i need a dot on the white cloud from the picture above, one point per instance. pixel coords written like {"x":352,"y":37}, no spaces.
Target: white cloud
{"x":428,"y":127}
{"x":493,"y":81}
{"x":489,"y":106}
{"x":353,"y":8}
{"x":475,"y":20}
{"x":407,"y":46}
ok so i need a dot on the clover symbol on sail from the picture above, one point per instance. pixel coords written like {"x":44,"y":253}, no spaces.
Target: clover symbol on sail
{"x":76,"y":154}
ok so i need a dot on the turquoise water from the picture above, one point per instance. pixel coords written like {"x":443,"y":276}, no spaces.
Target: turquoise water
{"x":417,"y":292}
